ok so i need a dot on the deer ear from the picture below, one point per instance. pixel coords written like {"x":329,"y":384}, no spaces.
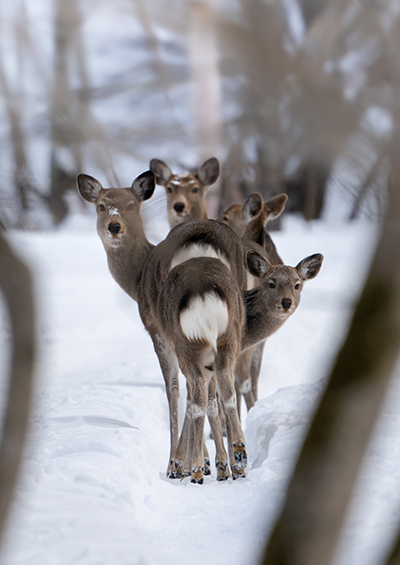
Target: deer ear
{"x":208,"y":172}
{"x":257,"y":265}
{"x":253,"y":206}
{"x":144,"y":185}
{"x":309,"y":267}
{"x":274,"y":207}
{"x":88,"y":187}
{"x":161,"y":170}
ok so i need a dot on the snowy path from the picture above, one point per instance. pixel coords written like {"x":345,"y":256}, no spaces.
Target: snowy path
{"x":93,"y":489}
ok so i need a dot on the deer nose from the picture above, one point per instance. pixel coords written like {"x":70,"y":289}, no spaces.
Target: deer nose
{"x":179,"y":206}
{"x":114,"y":227}
{"x":286,"y":303}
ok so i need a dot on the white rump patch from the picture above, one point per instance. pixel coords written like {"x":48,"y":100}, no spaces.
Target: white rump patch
{"x":206,"y":318}
{"x":194,"y":251}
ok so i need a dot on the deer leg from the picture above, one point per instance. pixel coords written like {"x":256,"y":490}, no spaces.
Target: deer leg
{"x":243,"y":379}
{"x":255,"y":368}
{"x":198,"y":386}
{"x":213,"y":413}
{"x":236,"y":441}
{"x":207,"y":465}
{"x":183,"y":450}
{"x":170,"y":370}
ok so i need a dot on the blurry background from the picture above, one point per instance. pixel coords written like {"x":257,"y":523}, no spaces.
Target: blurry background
{"x":291,"y":95}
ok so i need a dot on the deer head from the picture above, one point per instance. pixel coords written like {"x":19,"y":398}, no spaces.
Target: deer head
{"x":185,"y":192}
{"x":118,"y":209}
{"x":281,"y":285}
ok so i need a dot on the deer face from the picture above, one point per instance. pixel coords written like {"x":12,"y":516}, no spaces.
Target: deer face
{"x":281,"y":285}
{"x":185,"y":192}
{"x":118,"y":212}
{"x":237,"y":217}
{"x":118,"y":209}
{"x":185,"y":198}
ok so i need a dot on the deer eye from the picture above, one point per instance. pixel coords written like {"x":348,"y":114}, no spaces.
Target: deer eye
{"x":195,"y":190}
{"x":169,"y":190}
{"x":226,"y":219}
{"x":297,"y":286}
{"x":101,"y":208}
{"x":271,"y":284}
{"x":130,"y":206}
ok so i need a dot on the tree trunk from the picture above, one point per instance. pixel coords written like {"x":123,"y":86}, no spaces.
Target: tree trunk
{"x":67,"y":128}
{"x":15,"y":284}
{"x":206,"y":89}
{"x":308,"y":528}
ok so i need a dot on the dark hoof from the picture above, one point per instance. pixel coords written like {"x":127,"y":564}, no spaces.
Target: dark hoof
{"x":238,"y":472}
{"x":222,"y":471}
{"x":207,"y":467}
{"x":197,"y":481}
{"x":174,"y":475}
{"x":240,"y":454}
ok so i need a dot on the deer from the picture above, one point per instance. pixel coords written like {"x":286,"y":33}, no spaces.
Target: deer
{"x":141,"y":269}
{"x":186,"y":192}
{"x":254,"y":236}
{"x":186,"y":201}
{"x":211,"y":321}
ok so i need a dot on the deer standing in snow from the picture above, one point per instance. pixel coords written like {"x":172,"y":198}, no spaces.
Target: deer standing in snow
{"x":186,"y":201}
{"x":140,"y":269}
{"x":180,"y":285}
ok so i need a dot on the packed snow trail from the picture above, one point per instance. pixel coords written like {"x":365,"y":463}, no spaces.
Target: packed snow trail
{"x":93,"y":488}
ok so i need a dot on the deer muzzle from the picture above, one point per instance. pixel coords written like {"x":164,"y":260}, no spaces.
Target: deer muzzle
{"x":179,"y":207}
{"x":286,"y":303}
{"x":114,"y":228}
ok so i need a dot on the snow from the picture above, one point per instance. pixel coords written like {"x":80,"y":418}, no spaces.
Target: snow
{"x":93,"y":488}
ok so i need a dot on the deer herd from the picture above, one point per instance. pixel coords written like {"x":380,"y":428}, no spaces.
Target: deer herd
{"x":209,"y":295}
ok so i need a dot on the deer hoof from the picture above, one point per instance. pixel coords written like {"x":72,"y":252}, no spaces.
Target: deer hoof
{"x":176,"y":471}
{"x":207,"y":467}
{"x":174,"y":475}
{"x":197,"y":475}
{"x":238,"y":472}
{"x":240,"y":454}
{"x":223,"y":473}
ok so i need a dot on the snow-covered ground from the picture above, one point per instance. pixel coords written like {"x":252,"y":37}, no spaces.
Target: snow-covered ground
{"x":93,"y":489}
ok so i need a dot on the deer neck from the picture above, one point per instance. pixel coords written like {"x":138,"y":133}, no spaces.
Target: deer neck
{"x":261,"y":320}
{"x":126,"y":263}
{"x":197,"y":213}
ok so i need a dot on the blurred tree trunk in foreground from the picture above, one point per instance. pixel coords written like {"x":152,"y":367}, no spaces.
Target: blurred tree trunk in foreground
{"x":308,"y":528}
{"x":16,"y":287}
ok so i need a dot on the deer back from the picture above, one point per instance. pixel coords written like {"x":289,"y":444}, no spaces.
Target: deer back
{"x":200,"y":238}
